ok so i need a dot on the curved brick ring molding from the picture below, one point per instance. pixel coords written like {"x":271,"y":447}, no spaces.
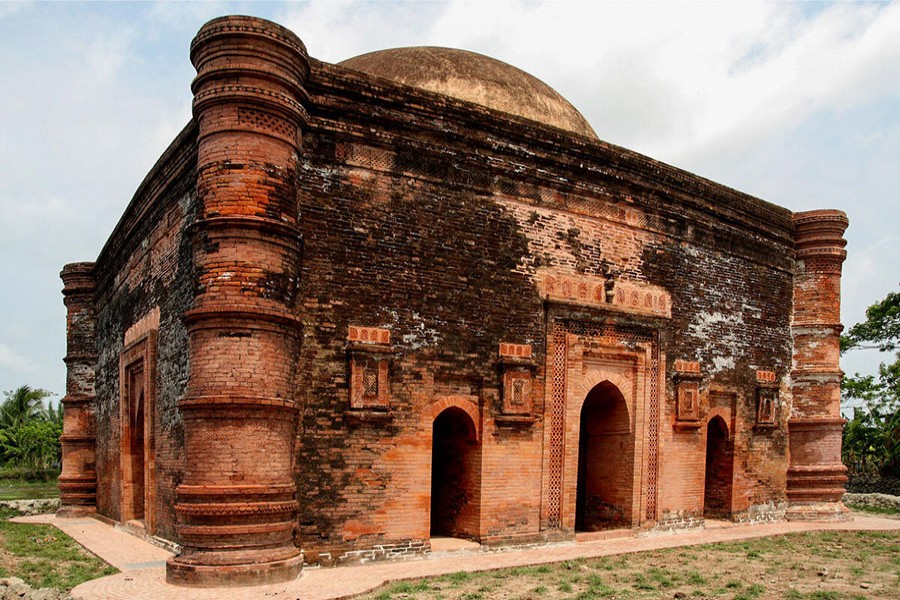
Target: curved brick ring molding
{"x":816,"y":475}
{"x":78,"y":479}
{"x":236,"y":507}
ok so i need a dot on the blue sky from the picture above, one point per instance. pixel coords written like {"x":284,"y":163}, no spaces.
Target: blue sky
{"x":798,"y":104}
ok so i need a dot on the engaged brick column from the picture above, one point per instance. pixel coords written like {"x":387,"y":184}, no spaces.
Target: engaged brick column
{"x":237,"y":503}
{"x":816,"y":475}
{"x":78,"y":480}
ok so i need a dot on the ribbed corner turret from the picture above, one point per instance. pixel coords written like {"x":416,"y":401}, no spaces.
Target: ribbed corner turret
{"x":78,"y":479}
{"x":236,"y":506}
{"x":816,"y":476}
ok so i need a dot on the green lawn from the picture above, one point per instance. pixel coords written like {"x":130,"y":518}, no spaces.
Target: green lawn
{"x":25,"y":490}
{"x":807,"y":566}
{"x":44,"y":556}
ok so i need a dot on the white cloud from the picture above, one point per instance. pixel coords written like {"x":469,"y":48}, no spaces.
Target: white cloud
{"x":13,"y":361}
{"x":675,"y":80}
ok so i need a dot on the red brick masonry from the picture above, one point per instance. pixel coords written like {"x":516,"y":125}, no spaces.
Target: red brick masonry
{"x":342,"y":316}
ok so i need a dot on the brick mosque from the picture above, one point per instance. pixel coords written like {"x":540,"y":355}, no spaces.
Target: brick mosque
{"x":358,"y":306}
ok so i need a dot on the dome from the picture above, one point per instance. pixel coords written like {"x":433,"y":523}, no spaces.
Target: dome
{"x":474,"y":78}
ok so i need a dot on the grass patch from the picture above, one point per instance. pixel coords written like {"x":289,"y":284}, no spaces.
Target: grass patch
{"x":759,"y":569}
{"x":14,"y":489}
{"x":44,"y":556}
{"x":875,"y":510}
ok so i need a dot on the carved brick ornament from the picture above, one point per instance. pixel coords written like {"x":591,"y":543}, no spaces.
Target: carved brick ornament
{"x":517,"y":392}
{"x":369,"y":382}
{"x":369,"y":354}
{"x":687,"y":394}
{"x":516,"y":372}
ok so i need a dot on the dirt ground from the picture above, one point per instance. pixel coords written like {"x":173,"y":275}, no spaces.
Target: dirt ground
{"x":808,"y":566}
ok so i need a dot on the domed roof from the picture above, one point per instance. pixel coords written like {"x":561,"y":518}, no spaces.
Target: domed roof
{"x":475,"y":78}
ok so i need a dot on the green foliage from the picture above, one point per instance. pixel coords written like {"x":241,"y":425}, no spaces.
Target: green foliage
{"x":872,"y":436}
{"x":33,"y":445}
{"x":23,"y":405}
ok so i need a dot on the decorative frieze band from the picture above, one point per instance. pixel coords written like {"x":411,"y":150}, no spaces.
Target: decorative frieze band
{"x":765,"y":376}
{"x":371,"y":335}
{"x":687,"y":366}
{"x":515,"y":350}
{"x":628,"y":296}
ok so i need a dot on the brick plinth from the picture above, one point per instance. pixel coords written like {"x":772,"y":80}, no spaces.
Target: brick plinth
{"x":236,"y":505}
{"x":78,"y":479}
{"x":816,"y":475}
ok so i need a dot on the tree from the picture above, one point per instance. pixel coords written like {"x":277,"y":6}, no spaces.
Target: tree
{"x":872,"y":436}
{"x":29,"y":429}
{"x":22,"y":405}
{"x":33,"y":446}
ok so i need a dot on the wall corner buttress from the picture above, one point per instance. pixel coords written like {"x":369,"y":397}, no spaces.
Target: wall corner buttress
{"x":816,"y":476}
{"x":236,"y":520}
{"x":78,"y":479}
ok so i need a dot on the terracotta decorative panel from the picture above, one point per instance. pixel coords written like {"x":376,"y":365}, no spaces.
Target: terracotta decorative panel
{"x":368,"y":335}
{"x":627,"y":296}
{"x":369,"y":381}
{"x":765,"y":376}
{"x":766,"y":404}
{"x":515,"y":350}
{"x":688,"y":408}
{"x":610,"y":334}
{"x":517,"y":392}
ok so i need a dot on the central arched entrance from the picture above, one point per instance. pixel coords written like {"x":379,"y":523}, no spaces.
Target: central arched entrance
{"x":605,"y":461}
{"x":719,"y":470}
{"x":455,"y":481}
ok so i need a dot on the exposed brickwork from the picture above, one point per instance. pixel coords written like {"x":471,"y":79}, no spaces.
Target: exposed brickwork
{"x":78,"y":479}
{"x":237,"y":505}
{"x":432,"y":318}
{"x":816,"y":477}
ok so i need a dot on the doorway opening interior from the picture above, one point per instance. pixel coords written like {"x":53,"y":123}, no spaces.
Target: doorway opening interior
{"x":605,"y":462}
{"x":455,"y":480}
{"x":719,"y":470}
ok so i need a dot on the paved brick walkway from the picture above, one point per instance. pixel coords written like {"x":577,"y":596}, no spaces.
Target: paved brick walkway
{"x":143,"y":565}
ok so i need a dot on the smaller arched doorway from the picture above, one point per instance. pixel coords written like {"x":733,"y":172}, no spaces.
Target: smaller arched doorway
{"x":455,"y":469}
{"x":605,"y":461}
{"x":719,"y":470}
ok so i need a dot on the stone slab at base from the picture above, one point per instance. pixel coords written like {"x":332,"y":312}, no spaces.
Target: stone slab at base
{"x":818,"y":511}
{"x":178,"y":573}
{"x":76,"y":512}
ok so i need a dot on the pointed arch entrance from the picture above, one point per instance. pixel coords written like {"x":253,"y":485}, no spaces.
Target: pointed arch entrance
{"x":605,"y":487}
{"x":455,"y":475}
{"x":717,"y":494}
{"x":137,"y":451}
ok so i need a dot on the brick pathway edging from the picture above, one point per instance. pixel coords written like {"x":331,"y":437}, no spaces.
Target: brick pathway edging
{"x":143,"y":570}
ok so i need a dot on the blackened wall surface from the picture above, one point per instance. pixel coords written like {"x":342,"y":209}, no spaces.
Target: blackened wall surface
{"x":442,"y":223}
{"x":144,"y":268}
{"x":458,"y":229}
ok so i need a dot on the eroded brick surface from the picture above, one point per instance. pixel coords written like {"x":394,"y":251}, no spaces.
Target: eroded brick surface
{"x":381,"y":314}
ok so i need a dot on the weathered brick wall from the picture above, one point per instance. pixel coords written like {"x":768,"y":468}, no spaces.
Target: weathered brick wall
{"x":444,"y":232}
{"x":455,"y":230}
{"x":147,"y":265}
{"x":731,"y":313}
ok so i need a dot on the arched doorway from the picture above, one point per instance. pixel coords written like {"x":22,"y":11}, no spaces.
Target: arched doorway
{"x":134,"y":473}
{"x":719,"y":470}
{"x":605,"y":461}
{"x":455,"y":475}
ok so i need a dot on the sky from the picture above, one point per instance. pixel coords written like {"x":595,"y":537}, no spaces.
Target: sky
{"x":796,"y":103}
